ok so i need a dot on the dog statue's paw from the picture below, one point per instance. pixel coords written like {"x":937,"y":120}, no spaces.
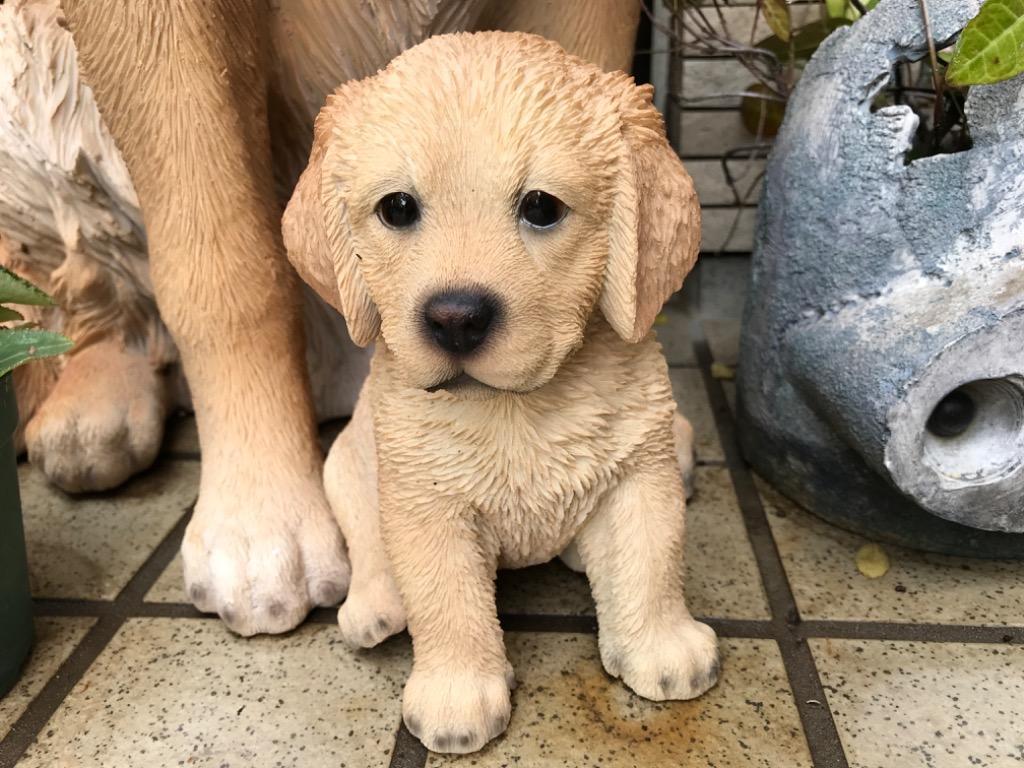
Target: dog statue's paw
{"x":456,"y":709}
{"x":261,"y":553}
{"x":371,"y":613}
{"x":678,"y":662}
{"x":102,"y":422}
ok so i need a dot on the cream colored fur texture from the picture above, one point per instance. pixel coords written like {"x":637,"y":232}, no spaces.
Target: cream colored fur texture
{"x":148,"y":148}
{"x":556,"y":428}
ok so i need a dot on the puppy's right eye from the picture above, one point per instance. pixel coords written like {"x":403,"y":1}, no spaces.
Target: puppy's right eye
{"x":398,"y":210}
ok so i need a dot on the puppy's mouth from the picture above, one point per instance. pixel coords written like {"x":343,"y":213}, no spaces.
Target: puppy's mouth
{"x":463,"y":384}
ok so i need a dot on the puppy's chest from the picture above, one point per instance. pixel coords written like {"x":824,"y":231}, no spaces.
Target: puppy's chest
{"x":501,"y":454}
{"x":530,"y":468}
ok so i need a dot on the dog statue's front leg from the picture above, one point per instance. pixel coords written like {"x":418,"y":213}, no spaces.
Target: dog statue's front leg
{"x":457,"y":697}
{"x":182,"y":87}
{"x":632,"y":549}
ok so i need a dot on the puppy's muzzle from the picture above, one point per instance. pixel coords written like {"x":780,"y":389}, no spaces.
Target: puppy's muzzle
{"x":460,"y":321}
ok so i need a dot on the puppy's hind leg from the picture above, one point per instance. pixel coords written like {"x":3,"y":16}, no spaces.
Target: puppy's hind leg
{"x":373,"y":610}
{"x":686,"y":454}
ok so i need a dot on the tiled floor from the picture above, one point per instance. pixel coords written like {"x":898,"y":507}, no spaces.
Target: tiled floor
{"x":821,"y":665}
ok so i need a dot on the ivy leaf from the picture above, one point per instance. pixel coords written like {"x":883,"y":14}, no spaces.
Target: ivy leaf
{"x":19,"y":345}
{"x":991,"y":47}
{"x":806,"y":39}
{"x":16,"y":290}
{"x":7,"y":314}
{"x":776,"y":15}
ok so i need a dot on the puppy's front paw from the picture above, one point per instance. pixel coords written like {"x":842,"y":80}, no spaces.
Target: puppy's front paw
{"x":456,"y":709}
{"x":372,"y":613}
{"x":678,"y":662}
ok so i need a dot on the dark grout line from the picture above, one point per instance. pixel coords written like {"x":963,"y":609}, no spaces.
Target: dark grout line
{"x":583,"y":624}
{"x":925,"y":633}
{"x":39,"y":711}
{"x":134,"y":592}
{"x":819,"y":727}
{"x":111,"y":615}
{"x":409,"y":752}
{"x":521,"y":622}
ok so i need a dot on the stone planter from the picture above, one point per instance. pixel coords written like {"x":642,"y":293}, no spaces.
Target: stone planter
{"x":15,"y":600}
{"x":881,"y":380}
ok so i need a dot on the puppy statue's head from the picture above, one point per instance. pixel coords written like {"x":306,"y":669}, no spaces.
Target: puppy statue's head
{"x":475,"y":202}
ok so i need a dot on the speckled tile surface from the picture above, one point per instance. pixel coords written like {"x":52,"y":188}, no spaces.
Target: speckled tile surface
{"x":90,"y":546}
{"x":688,"y":387}
{"x":724,"y":340}
{"x":919,"y":587}
{"x":925,"y":705}
{"x":170,"y":587}
{"x":55,"y":639}
{"x":721,"y":574}
{"x":568,"y":713}
{"x":170,"y":692}
{"x":672,"y":329}
{"x":729,"y":387}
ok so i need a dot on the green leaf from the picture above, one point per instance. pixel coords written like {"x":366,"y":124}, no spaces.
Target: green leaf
{"x":776,"y":14}
{"x":991,"y":47}
{"x":836,"y":9}
{"x":806,"y":39}
{"x":15,"y":290}
{"x":761,"y":116}
{"x":7,"y":314}
{"x":19,"y":345}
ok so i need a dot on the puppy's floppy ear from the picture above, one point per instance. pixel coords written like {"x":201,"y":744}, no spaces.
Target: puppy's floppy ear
{"x":654,"y":229}
{"x":316,"y":232}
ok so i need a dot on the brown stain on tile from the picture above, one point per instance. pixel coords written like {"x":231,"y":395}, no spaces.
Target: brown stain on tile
{"x":638,"y":721}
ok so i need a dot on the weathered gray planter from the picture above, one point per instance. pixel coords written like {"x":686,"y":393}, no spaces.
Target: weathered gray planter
{"x":15,"y":601}
{"x":881,"y":382}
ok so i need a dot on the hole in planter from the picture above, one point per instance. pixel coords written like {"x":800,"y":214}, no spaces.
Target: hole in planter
{"x":975,"y":434}
{"x":910,"y":84}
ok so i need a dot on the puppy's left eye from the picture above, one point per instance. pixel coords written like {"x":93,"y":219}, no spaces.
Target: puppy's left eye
{"x":541,"y":210}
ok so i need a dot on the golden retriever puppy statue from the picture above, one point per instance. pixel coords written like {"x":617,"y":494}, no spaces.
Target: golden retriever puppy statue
{"x":505,"y":221}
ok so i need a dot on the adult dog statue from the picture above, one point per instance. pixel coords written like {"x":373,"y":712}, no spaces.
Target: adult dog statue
{"x":211,"y":105}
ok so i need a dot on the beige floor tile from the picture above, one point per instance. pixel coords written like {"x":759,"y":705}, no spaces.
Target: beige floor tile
{"x":672,"y":328}
{"x":730,"y":395}
{"x":688,"y":386}
{"x":170,"y":587}
{"x":90,"y":546}
{"x":724,"y":340}
{"x":919,"y":587}
{"x":568,"y":712}
{"x":546,"y":589}
{"x":724,"y":282}
{"x":722,"y":579}
{"x":55,"y":639}
{"x":721,"y":574}
{"x":187,"y":692}
{"x":925,"y":705}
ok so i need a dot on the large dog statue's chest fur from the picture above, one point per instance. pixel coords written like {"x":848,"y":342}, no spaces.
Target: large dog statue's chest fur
{"x":528,"y":468}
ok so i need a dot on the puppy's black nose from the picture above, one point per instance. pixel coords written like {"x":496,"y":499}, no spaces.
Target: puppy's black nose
{"x":459,"y":321}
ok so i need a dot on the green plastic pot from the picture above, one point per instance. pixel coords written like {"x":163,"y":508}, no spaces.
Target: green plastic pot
{"x":15,"y":599}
